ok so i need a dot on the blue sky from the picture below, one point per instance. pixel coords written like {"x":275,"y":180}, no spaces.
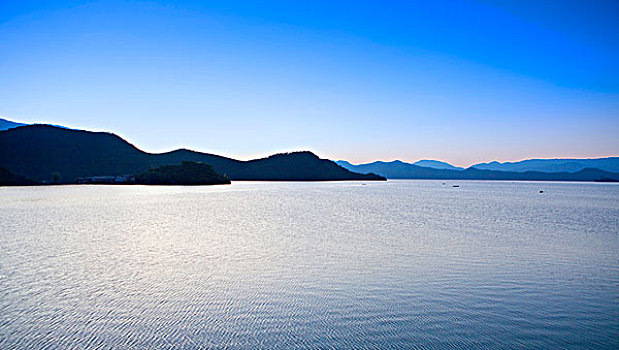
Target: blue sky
{"x":460,"y":81}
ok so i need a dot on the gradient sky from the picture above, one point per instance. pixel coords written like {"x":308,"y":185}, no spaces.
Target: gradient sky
{"x":460,"y":81}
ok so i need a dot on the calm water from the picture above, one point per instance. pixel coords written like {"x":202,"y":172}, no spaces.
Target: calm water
{"x":413,"y":264}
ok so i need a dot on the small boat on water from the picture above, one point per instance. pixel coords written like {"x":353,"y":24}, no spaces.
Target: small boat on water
{"x":455,"y":186}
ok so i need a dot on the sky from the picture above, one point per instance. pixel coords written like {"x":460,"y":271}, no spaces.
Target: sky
{"x":458,"y":81}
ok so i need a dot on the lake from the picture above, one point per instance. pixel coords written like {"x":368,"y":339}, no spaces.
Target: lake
{"x":397,"y":264}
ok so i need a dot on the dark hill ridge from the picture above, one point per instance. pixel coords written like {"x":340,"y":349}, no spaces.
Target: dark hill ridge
{"x":36,"y":151}
{"x":186,"y":173}
{"x":7,"y":178}
{"x":306,"y":164}
{"x":7,"y":124}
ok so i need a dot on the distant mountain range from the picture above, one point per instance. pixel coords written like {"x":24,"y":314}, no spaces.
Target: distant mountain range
{"x":401,"y":170}
{"x":38,"y":151}
{"x":610,"y":164}
{"x":436,"y":164}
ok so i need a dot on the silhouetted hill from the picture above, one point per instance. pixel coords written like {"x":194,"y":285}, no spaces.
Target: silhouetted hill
{"x":401,"y":170}
{"x":610,"y":164}
{"x":7,"y":178}
{"x":436,"y":164}
{"x":398,"y":164}
{"x":37,"y":151}
{"x":7,"y":124}
{"x":394,"y":170}
{"x":307,"y":167}
{"x":186,"y":173}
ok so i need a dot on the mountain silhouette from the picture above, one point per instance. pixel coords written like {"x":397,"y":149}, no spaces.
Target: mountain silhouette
{"x":7,"y":178}
{"x":186,"y":173}
{"x":610,"y":164}
{"x":37,"y":151}
{"x":7,"y":124}
{"x":402,"y":170}
{"x":398,"y":164}
{"x":436,"y":164}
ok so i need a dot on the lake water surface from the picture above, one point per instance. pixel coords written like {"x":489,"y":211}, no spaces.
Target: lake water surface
{"x":401,"y":264}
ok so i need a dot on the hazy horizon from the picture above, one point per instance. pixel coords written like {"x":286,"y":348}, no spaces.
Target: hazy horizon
{"x":250,"y":156}
{"x":460,"y":81}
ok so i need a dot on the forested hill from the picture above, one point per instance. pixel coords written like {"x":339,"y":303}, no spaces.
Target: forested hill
{"x":37,"y":151}
{"x":7,"y":178}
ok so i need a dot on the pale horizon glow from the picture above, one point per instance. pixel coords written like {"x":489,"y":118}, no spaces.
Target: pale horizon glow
{"x":461,"y":81}
{"x":354,"y":161}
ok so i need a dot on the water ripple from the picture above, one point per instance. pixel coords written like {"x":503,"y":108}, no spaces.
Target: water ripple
{"x":403,"y":264}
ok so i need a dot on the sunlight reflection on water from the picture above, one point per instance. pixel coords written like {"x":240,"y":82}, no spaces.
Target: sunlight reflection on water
{"x":400,"y":264}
